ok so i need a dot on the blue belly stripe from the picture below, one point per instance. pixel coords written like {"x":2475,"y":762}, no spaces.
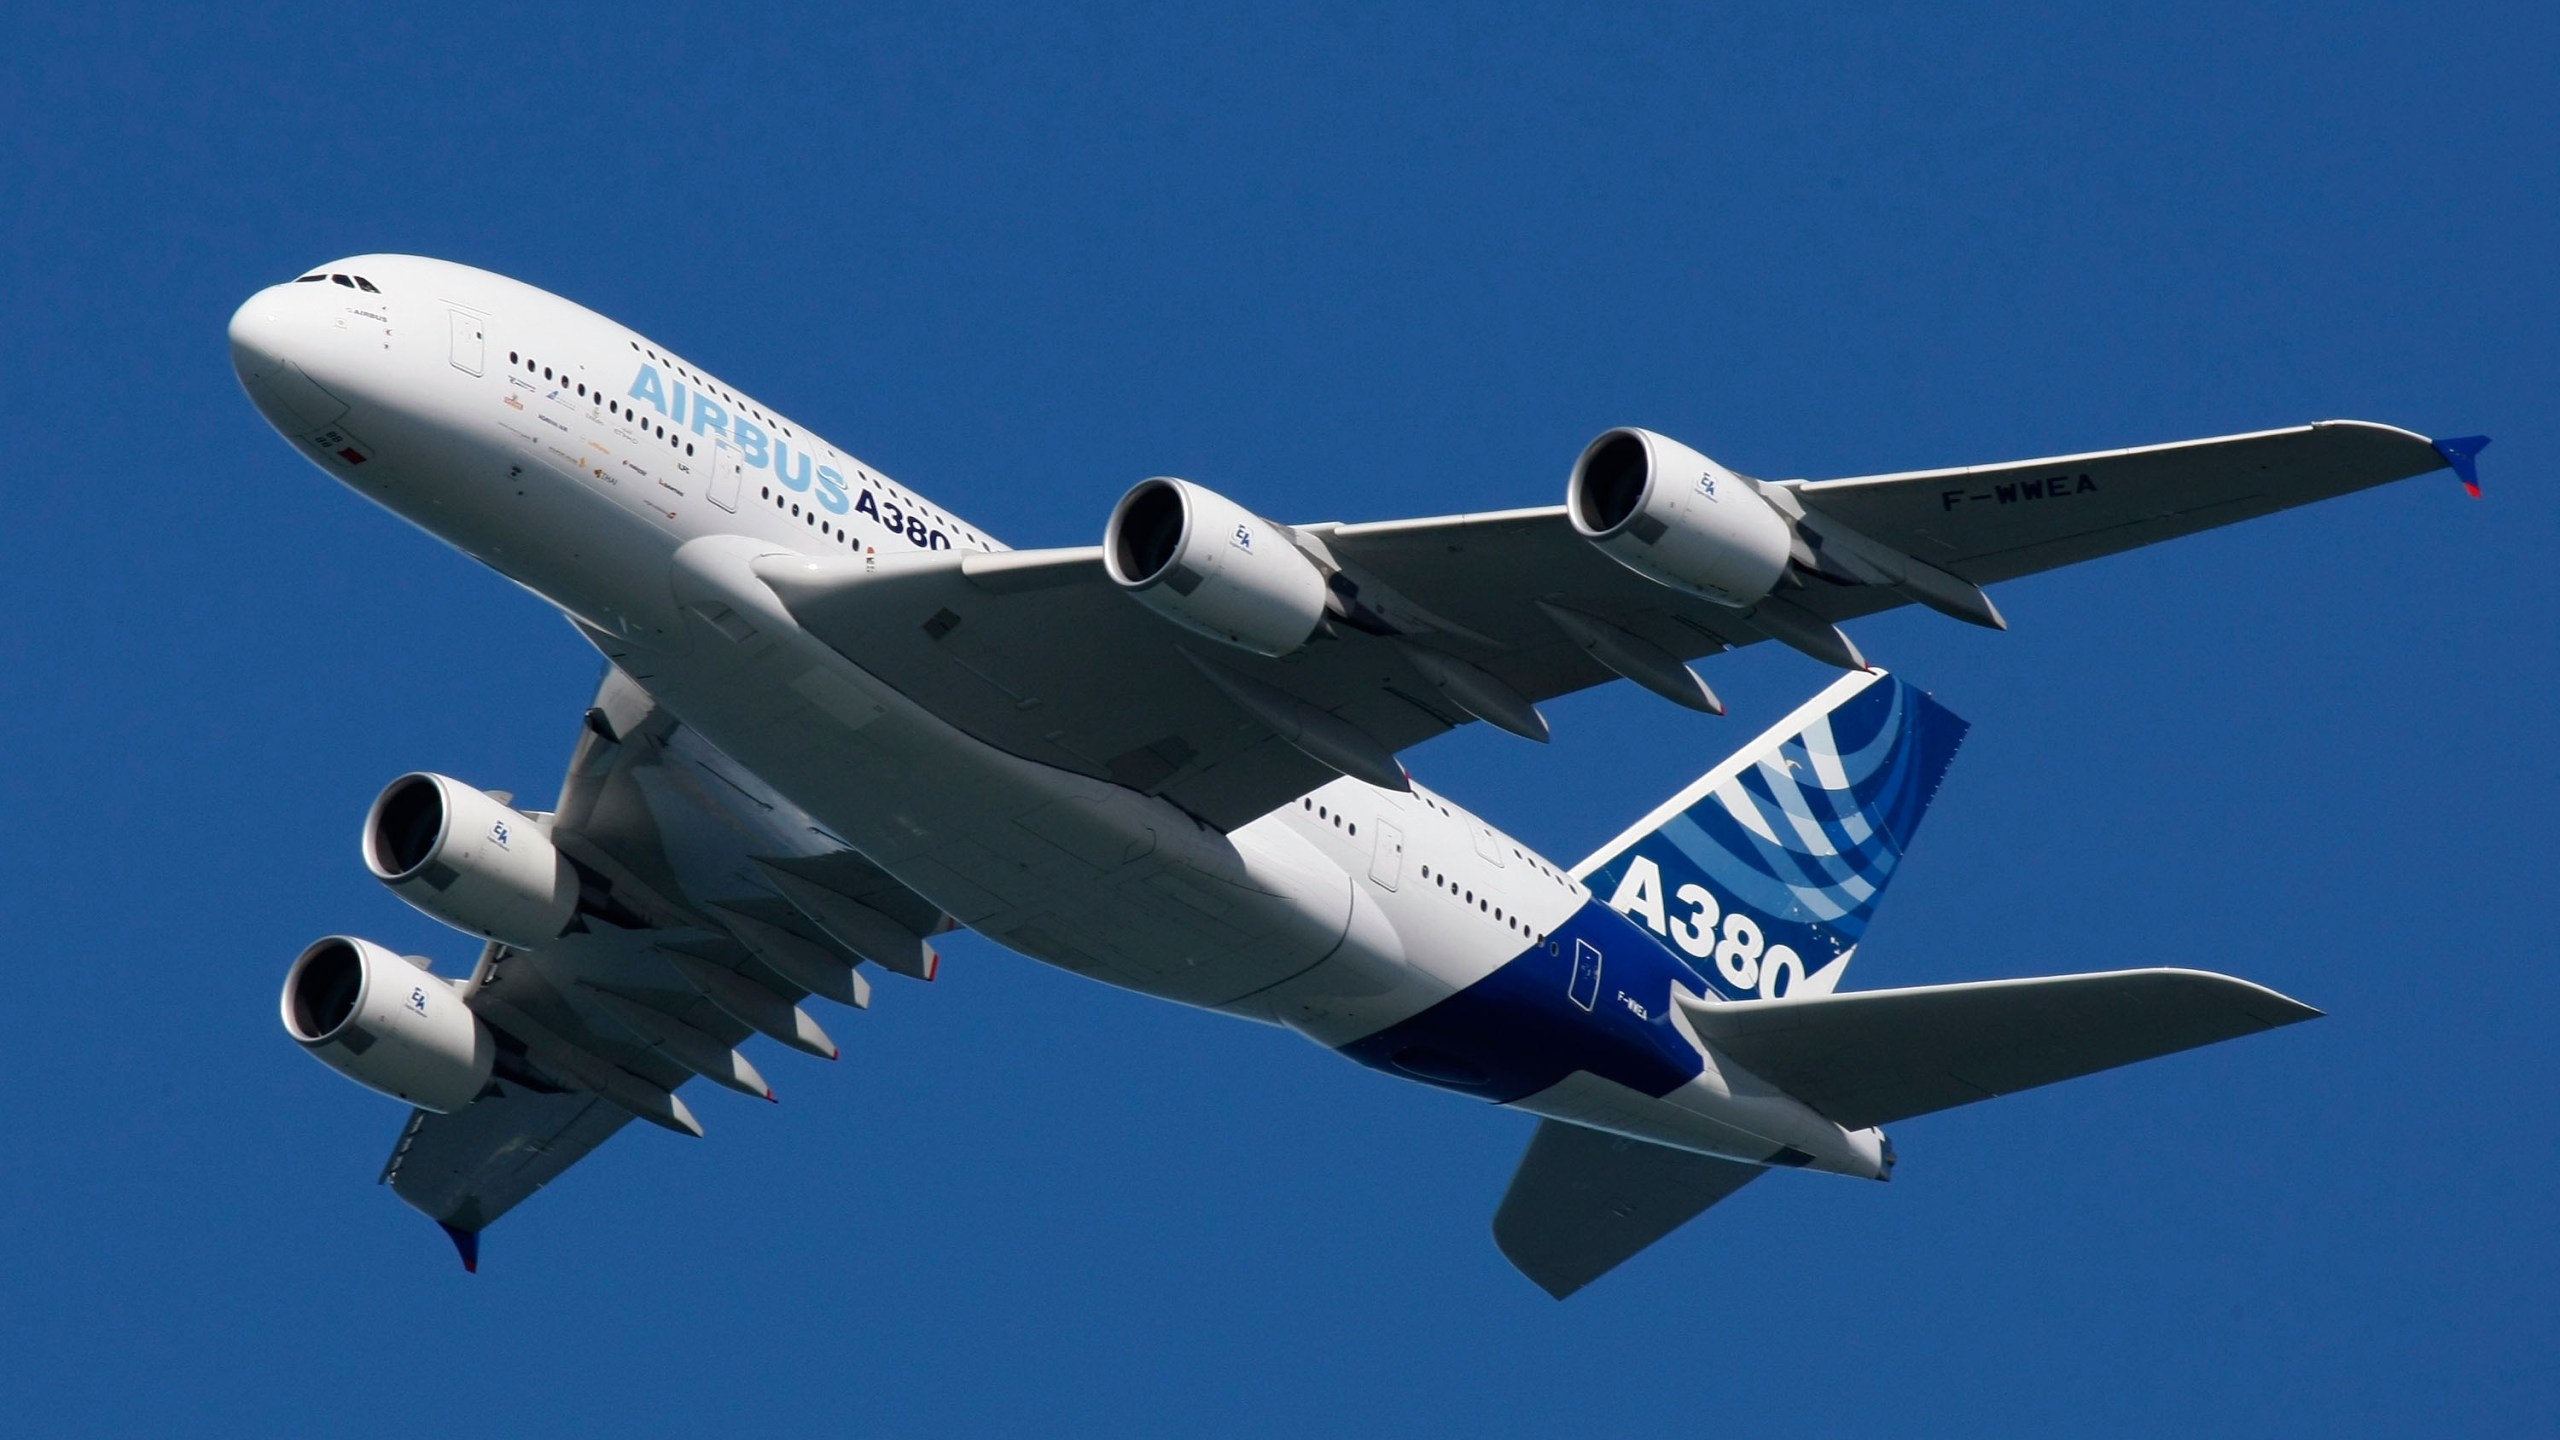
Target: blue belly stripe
{"x":1520,"y":1029}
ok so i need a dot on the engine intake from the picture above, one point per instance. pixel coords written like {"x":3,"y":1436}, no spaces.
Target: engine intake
{"x":1213,"y":567}
{"x":382,"y":1021}
{"x":1674,"y":516}
{"x":458,"y":854}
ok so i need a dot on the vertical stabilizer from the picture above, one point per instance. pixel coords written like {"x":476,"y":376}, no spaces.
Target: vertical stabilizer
{"x":1766,"y":871}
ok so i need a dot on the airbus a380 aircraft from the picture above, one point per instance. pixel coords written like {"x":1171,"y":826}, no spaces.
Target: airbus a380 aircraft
{"x":837,"y":721}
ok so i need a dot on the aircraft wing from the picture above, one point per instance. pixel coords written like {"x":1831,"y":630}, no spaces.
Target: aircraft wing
{"x":1987,"y":523}
{"x":466,"y":1169}
{"x":1583,"y":1201}
{"x":1871,"y":1057}
{"x":716,"y":907}
{"x":1466,"y":616}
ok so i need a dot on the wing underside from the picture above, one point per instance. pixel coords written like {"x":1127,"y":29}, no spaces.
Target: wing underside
{"x":706,"y":920}
{"x":466,"y":1169}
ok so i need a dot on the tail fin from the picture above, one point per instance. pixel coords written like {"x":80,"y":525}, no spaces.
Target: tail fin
{"x":1766,"y":871}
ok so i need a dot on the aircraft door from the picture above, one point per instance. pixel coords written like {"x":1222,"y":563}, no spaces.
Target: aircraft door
{"x":1386,"y":867}
{"x":728,"y":474}
{"x":470,"y":342}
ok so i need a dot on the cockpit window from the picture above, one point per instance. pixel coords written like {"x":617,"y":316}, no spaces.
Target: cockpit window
{"x":307,"y":279}
{"x":366,"y":286}
{"x":343,"y":280}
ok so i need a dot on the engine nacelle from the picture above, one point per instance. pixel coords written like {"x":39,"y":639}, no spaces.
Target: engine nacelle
{"x":1671,"y":514}
{"x":1209,"y":565}
{"x":385,"y":1023}
{"x":476,"y":864}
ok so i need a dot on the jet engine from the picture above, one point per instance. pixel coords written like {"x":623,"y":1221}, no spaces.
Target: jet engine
{"x":1672,"y":515}
{"x":461,"y":856}
{"x":1211,"y":566}
{"x":382,"y":1021}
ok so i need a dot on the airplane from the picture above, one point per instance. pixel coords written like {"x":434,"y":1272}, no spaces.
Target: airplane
{"x":837,"y":721}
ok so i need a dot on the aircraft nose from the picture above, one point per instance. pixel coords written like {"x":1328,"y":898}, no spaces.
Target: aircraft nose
{"x":277,"y":337}
{"x":261,"y":331}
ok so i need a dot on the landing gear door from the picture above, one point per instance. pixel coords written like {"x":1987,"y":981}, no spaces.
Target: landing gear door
{"x":1386,"y":867}
{"x":728,"y":473}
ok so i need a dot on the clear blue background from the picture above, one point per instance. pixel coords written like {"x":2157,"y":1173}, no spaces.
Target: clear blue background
{"x":1342,"y":266}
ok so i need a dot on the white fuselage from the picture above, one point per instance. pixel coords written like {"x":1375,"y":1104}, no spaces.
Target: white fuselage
{"x":633,"y":490}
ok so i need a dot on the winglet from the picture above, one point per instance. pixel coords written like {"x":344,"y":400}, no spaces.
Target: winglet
{"x":2462,"y":453}
{"x":467,"y":1242}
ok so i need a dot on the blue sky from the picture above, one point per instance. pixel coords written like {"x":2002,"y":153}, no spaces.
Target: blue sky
{"x":1341,"y":265}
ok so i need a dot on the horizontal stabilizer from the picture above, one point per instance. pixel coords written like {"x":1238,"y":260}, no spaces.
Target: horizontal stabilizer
{"x":1583,"y":1201}
{"x":1871,"y":1057}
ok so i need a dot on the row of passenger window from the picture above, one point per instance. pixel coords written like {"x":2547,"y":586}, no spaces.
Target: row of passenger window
{"x":615,"y":408}
{"x":1483,"y":904}
{"x":676,"y":440}
{"x":809,"y":514}
{"x":1525,"y":858}
{"x":714,"y":387}
{"x":1321,"y":813}
{"x":704,"y":383}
